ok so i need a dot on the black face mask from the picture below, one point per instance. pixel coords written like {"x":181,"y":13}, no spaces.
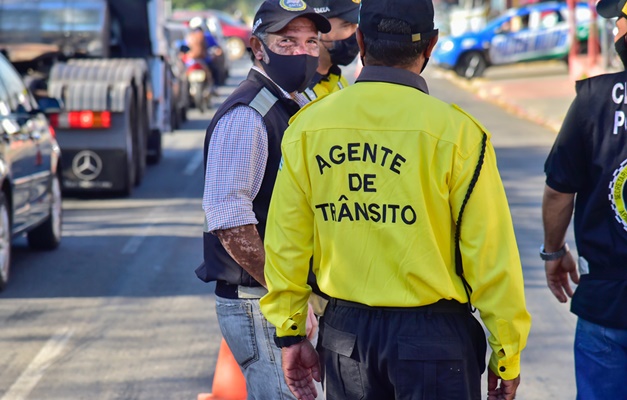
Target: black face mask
{"x":291,"y":73}
{"x":621,"y":49}
{"x":344,"y":51}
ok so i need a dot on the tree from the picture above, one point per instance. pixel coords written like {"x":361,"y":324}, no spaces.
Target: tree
{"x":245,"y":7}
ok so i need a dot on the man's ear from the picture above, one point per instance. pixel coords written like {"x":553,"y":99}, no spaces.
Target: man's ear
{"x":431,"y":45}
{"x":256,"y":47}
{"x":360,"y":43}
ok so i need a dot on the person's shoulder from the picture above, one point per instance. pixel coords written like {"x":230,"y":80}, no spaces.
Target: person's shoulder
{"x":307,"y":109}
{"x":464,"y":116}
{"x":588,"y":85}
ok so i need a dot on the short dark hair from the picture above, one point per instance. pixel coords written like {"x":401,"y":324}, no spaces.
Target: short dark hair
{"x":392,"y":53}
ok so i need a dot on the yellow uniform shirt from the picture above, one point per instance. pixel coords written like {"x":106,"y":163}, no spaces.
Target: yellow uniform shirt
{"x":371,"y":184}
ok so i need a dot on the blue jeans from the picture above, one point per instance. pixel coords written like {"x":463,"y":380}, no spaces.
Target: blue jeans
{"x":251,"y":340}
{"x":600,"y":362}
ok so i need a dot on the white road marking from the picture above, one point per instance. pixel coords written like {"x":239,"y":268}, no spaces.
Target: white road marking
{"x":132,"y":245}
{"x":194,"y":163}
{"x":22,"y":387}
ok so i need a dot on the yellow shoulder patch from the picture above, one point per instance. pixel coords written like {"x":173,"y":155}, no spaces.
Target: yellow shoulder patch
{"x":473,"y":119}
{"x":305,"y":107}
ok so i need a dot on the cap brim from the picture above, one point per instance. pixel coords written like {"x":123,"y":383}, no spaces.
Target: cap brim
{"x":351,"y":16}
{"x":322,"y":24}
{"x":608,"y":8}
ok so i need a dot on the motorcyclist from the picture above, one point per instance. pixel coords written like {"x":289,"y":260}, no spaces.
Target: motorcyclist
{"x":198,"y":41}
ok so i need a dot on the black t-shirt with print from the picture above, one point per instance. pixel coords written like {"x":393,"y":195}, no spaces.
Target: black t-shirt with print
{"x":589,"y":158}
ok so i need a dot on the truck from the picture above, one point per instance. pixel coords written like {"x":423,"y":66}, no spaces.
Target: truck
{"x":106,"y":62}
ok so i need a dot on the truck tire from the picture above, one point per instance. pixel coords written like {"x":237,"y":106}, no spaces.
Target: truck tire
{"x":140,"y":134}
{"x":155,"y":151}
{"x":47,"y":236}
{"x":5,"y":241}
{"x":128,"y":182}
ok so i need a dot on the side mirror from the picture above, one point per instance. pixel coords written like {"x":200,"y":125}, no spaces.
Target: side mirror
{"x":49,"y":105}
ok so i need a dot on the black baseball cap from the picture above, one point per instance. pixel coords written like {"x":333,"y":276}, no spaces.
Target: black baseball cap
{"x":418,"y":14}
{"x":348,"y":10}
{"x":612,"y":8}
{"x":274,"y":15}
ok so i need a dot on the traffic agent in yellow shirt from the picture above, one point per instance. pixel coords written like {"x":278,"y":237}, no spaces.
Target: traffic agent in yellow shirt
{"x":371,"y":185}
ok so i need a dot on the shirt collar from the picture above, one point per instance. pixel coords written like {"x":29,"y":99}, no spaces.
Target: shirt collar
{"x":299,"y":98}
{"x":398,"y":76}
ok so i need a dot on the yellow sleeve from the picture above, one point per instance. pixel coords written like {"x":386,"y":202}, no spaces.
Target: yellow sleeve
{"x":288,"y":244}
{"x":491,"y":261}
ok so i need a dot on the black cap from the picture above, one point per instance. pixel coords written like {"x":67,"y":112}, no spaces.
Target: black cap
{"x":418,"y":14}
{"x":348,"y":10}
{"x":611,"y":8}
{"x":274,"y":15}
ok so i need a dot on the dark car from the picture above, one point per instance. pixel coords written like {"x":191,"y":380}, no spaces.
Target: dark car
{"x":30,"y":200}
{"x":530,"y":33}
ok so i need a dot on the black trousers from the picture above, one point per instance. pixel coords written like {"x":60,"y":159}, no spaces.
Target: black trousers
{"x":435,"y":352}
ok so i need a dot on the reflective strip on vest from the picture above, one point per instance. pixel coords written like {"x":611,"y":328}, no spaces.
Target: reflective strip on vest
{"x":263,"y":102}
{"x":311,"y":95}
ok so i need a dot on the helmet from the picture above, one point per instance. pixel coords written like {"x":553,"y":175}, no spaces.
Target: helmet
{"x":197,"y":22}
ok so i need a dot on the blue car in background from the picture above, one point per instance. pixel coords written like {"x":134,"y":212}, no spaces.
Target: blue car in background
{"x":530,"y":33}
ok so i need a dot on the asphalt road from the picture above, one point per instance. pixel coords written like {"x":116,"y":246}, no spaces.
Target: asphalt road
{"x":117,"y":312}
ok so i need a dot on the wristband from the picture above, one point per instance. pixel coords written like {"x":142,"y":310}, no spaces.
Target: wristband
{"x":556,"y":255}
{"x":287,"y":341}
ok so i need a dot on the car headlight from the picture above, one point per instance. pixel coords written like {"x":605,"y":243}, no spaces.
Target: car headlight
{"x":468,"y":43}
{"x":447,"y":45}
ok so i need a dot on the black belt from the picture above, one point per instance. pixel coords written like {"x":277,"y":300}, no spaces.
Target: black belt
{"x":442,"y":306}
{"x":233,"y":291}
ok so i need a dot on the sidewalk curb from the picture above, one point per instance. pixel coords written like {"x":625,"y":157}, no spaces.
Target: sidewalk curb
{"x":495,"y":96}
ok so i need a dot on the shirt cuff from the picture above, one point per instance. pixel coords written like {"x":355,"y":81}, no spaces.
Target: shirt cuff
{"x":229,"y":216}
{"x":506,"y":368}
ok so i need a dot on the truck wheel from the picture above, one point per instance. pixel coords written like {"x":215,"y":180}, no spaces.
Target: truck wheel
{"x":155,"y":150}
{"x":471,"y":65}
{"x":5,"y":242}
{"x":47,"y":236}
{"x":140,"y":132}
{"x":131,"y":165}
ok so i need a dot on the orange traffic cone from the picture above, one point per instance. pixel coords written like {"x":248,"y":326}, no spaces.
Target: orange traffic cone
{"x":228,"y":380}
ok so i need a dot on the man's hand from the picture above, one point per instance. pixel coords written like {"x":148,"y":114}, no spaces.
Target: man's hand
{"x":557,"y":273}
{"x":505,"y":391}
{"x":300,"y":367}
{"x":312,"y":323}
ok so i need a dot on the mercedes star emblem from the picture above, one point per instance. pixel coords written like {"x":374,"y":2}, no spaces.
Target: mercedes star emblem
{"x":87,"y":165}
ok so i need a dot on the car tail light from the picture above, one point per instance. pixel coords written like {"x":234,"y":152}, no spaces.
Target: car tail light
{"x":54,"y":120}
{"x":81,"y":120}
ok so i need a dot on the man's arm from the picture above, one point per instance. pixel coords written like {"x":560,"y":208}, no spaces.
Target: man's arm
{"x":244,"y":245}
{"x":491,"y":262}
{"x":236,"y":162}
{"x":557,"y":211}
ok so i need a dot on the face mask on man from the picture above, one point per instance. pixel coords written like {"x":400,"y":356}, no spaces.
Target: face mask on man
{"x":291,"y":73}
{"x":344,"y":51}
{"x":621,"y":49}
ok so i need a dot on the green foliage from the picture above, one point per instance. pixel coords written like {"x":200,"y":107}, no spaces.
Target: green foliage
{"x":246,"y":8}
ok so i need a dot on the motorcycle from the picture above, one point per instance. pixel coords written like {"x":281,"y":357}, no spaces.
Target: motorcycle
{"x":200,"y":84}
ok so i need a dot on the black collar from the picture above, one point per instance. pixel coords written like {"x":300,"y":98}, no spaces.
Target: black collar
{"x":398,"y":76}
